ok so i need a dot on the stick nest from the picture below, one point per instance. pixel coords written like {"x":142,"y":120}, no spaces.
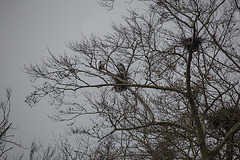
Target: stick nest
{"x":190,"y":44}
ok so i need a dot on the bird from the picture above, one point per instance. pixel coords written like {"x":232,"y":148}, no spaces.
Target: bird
{"x":121,"y":68}
{"x":122,"y":73}
{"x":101,"y":65}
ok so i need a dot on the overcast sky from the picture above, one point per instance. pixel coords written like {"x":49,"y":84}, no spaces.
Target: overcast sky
{"x":27,"y":27}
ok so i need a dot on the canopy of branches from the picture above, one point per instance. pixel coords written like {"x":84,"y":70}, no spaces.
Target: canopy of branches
{"x":165,"y":82}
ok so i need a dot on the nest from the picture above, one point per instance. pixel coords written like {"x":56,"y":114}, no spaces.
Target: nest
{"x":224,"y":118}
{"x":119,"y":87}
{"x":188,"y":44}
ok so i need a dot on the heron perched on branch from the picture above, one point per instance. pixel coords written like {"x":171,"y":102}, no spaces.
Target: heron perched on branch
{"x":121,"y":68}
{"x":101,"y":65}
{"x":122,"y":74}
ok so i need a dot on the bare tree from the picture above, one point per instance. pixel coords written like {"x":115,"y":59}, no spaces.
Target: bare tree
{"x":6,"y":129}
{"x":5,"y":125}
{"x":109,"y":4}
{"x":165,"y":81}
{"x":237,"y":4}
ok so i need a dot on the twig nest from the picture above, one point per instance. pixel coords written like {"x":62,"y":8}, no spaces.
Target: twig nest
{"x":224,"y":118}
{"x":190,"y":43}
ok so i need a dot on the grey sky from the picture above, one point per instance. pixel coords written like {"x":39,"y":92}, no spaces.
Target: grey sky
{"x":27,"y":27}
